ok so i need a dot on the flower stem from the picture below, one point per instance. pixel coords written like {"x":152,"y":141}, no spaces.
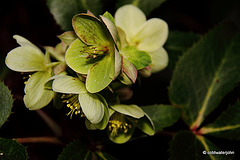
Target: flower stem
{"x":52,"y":140}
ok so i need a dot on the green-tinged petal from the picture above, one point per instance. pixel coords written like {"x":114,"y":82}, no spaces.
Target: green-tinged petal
{"x":130,"y":110}
{"x":68,"y":37}
{"x":36,"y":96}
{"x":125,"y":79}
{"x":139,"y":59}
{"x":89,"y":125}
{"x":122,"y":38}
{"x":122,"y":137}
{"x":130,"y":70}
{"x":118,"y":64}
{"x":76,"y":59}
{"x":130,"y":19}
{"x":99,"y":75}
{"x":26,"y":43}
{"x":90,"y":30}
{"x":102,"y":125}
{"x":25,"y":59}
{"x":152,"y":35}
{"x":92,"y":107}
{"x":68,"y":84}
{"x":109,"y":16}
{"x":146,"y":125}
{"x":159,"y":60}
{"x":112,"y":29}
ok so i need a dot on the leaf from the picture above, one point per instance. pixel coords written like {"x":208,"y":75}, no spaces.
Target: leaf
{"x":162,"y":116}
{"x":139,"y":59}
{"x":146,"y":6}
{"x":206,"y":73}
{"x":6,"y":103}
{"x":10,"y":149}
{"x":104,"y":156}
{"x":76,"y":150}
{"x":64,"y":10}
{"x":90,"y":30}
{"x":185,"y":145}
{"x":227,"y":124}
{"x":177,"y":43}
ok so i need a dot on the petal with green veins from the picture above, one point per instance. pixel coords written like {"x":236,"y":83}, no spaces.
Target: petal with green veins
{"x":152,"y":35}
{"x":130,"y":70}
{"x":118,"y":64}
{"x":159,"y":60}
{"x":139,"y":59}
{"x":68,"y":84}
{"x":130,"y":110}
{"x":92,"y":107}
{"x":90,"y":30}
{"x":76,"y":59}
{"x":99,"y":75}
{"x":68,"y":37}
{"x":36,"y":96}
{"x":130,"y":19}
{"x":102,"y":125}
{"x":146,"y":125}
{"x":26,"y":59}
{"x":112,"y":29}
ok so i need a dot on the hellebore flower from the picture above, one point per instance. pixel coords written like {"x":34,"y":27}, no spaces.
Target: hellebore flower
{"x":123,"y":121}
{"x":148,"y":36}
{"x":78,"y":99}
{"x":94,"y":52}
{"x":29,"y":58}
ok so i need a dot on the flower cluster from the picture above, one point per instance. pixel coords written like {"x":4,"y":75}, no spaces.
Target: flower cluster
{"x":94,"y":64}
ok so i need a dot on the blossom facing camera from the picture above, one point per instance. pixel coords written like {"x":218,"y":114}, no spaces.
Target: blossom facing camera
{"x":145,"y":35}
{"x":93,"y":52}
{"x":29,"y":58}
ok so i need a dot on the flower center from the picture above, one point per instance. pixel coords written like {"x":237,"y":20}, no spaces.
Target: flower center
{"x":117,"y":123}
{"x":73,"y":104}
{"x":94,"y":51}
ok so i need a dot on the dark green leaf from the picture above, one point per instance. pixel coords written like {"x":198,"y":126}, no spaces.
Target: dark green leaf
{"x":64,"y":10}
{"x":11,"y":150}
{"x":76,"y":150}
{"x":227,"y":125}
{"x":147,"y":6}
{"x":206,"y":73}
{"x":6,"y":103}
{"x":177,"y":43}
{"x":186,"y":145}
{"x":162,"y":115}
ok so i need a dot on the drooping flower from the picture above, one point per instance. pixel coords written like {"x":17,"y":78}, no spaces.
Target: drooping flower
{"x":29,"y":58}
{"x":123,"y":121}
{"x":145,"y":35}
{"x":94,"y":52}
{"x":92,"y":105}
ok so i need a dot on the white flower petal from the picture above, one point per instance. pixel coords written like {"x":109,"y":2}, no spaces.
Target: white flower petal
{"x":152,"y":35}
{"x":159,"y":60}
{"x":130,"y":110}
{"x":92,"y":107}
{"x":129,"y":18}
{"x":25,"y":59}
{"x":68,"y":84}
{"x":36,"y":96}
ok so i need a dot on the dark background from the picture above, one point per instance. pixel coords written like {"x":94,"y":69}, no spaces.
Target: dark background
{"x":32,"y":20}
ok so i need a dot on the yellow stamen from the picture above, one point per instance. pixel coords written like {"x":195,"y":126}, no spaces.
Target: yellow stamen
{"x":73,"y":104}
{"x":117,"y":123}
